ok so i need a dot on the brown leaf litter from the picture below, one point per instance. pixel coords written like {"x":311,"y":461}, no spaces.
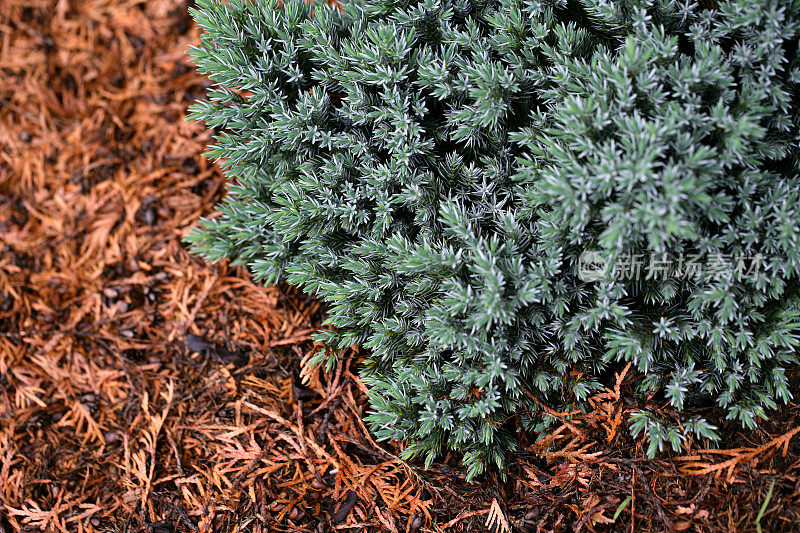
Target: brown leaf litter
{"x":143,"y":390}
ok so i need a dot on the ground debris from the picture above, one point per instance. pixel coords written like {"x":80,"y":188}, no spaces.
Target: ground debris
{"x":143,"y":390}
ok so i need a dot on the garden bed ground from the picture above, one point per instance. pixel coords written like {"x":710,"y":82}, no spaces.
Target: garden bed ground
{"x":143,"y":390}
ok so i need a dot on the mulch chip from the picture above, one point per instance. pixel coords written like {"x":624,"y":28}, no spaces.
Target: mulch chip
{"x":144,"y":390}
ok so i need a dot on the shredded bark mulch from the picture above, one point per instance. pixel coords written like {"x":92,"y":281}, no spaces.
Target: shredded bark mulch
{"x":143,"y":390}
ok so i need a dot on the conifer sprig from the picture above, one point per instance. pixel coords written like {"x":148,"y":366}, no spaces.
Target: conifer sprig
{"x":436,"y":171}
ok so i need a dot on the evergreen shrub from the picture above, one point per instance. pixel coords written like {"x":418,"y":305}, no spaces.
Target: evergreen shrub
{"x":468,"y":184}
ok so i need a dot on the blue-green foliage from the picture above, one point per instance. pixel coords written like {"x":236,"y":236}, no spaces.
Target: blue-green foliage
{"x":433,"y":170}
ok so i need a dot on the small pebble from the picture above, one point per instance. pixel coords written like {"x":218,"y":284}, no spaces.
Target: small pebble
{"x":110,"y":293}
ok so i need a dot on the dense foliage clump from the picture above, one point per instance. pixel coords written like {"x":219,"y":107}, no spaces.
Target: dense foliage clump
{"x":503,"y":200}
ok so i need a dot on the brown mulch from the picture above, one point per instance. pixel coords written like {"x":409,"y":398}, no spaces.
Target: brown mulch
{"x":143,"y":390}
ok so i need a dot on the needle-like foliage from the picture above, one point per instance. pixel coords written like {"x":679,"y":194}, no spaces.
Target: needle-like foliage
{"x":437,"y":171}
